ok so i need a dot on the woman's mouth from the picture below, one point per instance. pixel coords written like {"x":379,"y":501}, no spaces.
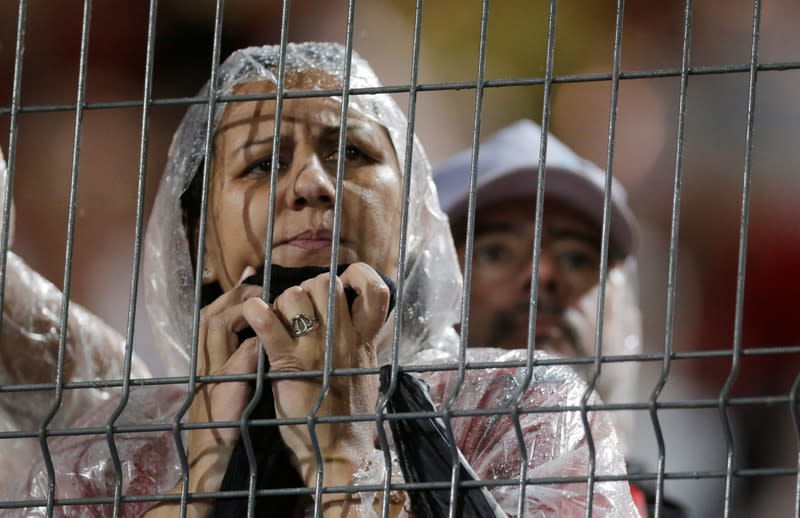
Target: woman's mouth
{"x":311,"y":240}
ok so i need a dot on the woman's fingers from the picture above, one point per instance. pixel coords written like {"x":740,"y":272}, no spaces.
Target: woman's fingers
{"x":294,"y":303}
{"x":293,"y":327}
{"x":221,"y":340}
{"x":271,"y":330}
{"x":210,"y":448}
{"x":235,"y":295}
{"x":219,"y":323}
{"x":318,"y":290}
{"x":225,"y":400}
{"x":372,"y":299}
{"x":244,"y":359}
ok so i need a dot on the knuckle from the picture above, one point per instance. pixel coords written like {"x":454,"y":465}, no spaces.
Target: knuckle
{"x":379,"y":288}
{"x":362,"y":267}
{"x":339,"y":284}
{"x":316,"y":284}
{"x":215,"y":322}
{"x":322,"y":280}
{"x":244,"y":291}
{"x":250,"y":345}
{"x":292,"y":294}
{"x":207,"y":316}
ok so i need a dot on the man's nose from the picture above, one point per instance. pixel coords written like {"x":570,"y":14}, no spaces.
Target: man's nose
{"x":310,"y":185}
{"x":547,"y":274}
{"x":523,"y":275}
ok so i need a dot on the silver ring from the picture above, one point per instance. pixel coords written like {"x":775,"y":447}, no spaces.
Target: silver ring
{"x":303,"y":324}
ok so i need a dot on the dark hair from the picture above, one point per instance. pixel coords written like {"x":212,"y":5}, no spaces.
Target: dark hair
{"x":190,"y":206}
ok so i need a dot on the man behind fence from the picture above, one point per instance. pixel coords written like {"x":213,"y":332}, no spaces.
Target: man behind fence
{"x":568,"y":266}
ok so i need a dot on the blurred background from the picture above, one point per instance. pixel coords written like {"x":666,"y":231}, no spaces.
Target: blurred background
{"x":644,"y":152}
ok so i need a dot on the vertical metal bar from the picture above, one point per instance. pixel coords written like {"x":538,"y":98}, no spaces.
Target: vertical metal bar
{"x":73,"y":194}
{"x":740,"y":275}
{"x":336,"y":231}
{"x":601,"y":295}
{"x":12,"y":148}
{"x":244,"y":423}
{"x":673,"y":259}
{"x":535,"y":255}
{"x":401,"y":261}
{"x":473,"y":185}
{"x":201,"y":246}
{"x":794,"y":401}
{"x":137,"y":249}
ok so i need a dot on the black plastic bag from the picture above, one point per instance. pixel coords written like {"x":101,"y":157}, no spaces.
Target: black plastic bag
{"x":424,"y":454}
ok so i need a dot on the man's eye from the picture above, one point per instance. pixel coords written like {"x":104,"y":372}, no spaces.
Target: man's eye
{"x":578,"y":260}
{"x":492,"y":253}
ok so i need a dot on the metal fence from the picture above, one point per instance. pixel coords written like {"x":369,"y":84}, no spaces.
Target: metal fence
{"x":650,"y":406}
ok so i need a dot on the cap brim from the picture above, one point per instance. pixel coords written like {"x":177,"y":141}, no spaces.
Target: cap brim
{"x":570,"y":188}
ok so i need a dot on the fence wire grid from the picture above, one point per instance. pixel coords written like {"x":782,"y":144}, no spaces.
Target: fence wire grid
{"x":706,"y":155}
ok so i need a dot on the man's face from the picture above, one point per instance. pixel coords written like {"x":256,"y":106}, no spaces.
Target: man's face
{"x":501,"y":274}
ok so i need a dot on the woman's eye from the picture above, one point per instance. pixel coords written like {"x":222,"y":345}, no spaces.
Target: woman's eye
{"x":262,"y":167}
{"x":352,"y":153}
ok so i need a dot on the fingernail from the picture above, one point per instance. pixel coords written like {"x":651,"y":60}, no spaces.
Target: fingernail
{"x":247,"y":272}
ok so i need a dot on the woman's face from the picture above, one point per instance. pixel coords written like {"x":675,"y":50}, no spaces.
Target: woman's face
{"x":304,"y":201}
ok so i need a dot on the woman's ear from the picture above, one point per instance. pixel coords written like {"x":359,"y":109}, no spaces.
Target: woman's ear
{"x":209,"y":274}
{"x":213,"y":266}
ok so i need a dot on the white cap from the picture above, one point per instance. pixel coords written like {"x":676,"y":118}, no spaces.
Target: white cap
{"x":508,"y":165}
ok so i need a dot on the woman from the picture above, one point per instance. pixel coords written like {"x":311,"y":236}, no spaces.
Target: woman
{"x":292,"y":328}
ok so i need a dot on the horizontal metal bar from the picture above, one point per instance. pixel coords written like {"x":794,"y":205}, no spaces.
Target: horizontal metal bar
{"x":177,"y":380}
{"x":676,"y":475}
{"x":698,"y":404}
{"x":426,"y":87}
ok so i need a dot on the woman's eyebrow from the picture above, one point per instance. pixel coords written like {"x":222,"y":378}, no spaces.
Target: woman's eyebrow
{"x":357,"y":127}
{"x":259,"y":141}
{"x":255,"y":142}
{"x":250,"y":143}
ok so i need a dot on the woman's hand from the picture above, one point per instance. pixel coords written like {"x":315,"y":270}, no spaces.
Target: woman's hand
{"x":218,"y":353}
{"x":343,"y":445}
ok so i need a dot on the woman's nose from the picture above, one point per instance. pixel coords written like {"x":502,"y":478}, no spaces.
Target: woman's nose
{"x":311,"y":186}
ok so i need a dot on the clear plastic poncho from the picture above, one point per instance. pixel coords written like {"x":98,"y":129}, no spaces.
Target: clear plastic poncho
{"x":432,"y":278}
{"x":556,"y":440}
{"x":29,"y":343}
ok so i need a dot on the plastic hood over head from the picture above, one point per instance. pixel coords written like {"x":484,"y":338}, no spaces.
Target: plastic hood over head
{"x":432,"y":282}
